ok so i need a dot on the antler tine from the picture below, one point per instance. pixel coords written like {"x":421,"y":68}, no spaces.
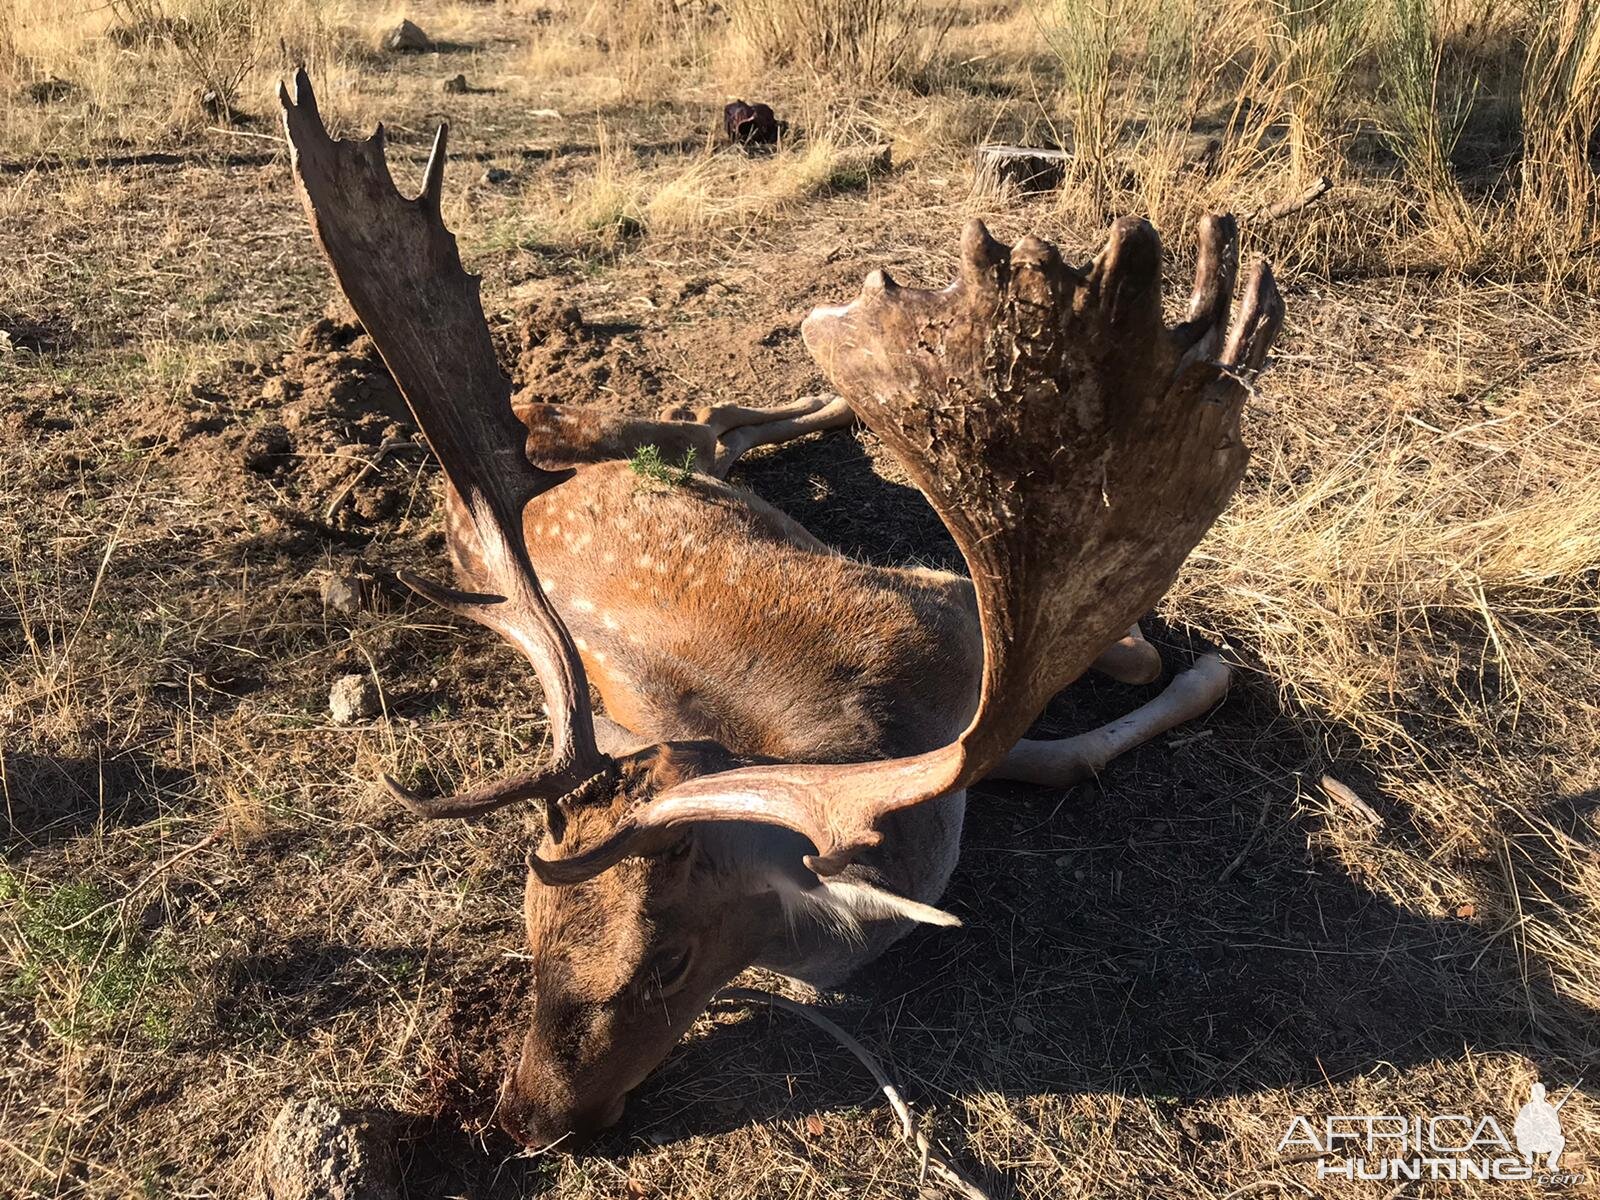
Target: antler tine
{"x":790,"y":796}
{"x":533,"y":785}
{"x":1260,"y":318}
{"x":1216,"y":272}
{"x":1075,"y":448}
{"x":472,"y":605}
{"x":433,"y":175}
{"x":400,"y":269}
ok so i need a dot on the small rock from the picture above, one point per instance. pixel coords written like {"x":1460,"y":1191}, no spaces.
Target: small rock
{"x":266,"y":449}
{"x":316,"y":1151}
{"x":406,"y":38}
{"x":353,"y":698}
{"x":457,"y":85}
{"x":496,"y":175}
{"x":48,"y":91}
{"x":342,"y":594}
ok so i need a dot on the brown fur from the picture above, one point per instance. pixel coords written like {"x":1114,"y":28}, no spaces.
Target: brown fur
{"x":702,"y":612}
{"x":717,"y":631}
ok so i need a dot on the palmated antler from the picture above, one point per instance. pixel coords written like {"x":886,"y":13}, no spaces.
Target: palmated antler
{"x":398,"y":266}
{"x":1075,"y":447}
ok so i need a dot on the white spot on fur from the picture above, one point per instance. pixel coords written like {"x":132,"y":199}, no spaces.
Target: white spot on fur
{"x":582,"y":604}
{"x":642,"y":562}
{"x":609,"y":621}
{"x":580,"y":643}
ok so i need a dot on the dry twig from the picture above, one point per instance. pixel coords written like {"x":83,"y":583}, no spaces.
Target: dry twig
{"x":1319,"y":188}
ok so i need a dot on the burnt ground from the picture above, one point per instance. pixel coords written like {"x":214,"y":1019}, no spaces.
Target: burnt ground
{"x":210,"y":908}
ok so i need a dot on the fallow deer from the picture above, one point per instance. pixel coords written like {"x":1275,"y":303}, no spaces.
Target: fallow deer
{"x":783,"y":776}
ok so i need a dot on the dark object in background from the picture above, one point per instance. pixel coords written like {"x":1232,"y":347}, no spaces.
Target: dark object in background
{"x":406,"y":38}
{"x":48,"y":91}
{"x":750,"y":124}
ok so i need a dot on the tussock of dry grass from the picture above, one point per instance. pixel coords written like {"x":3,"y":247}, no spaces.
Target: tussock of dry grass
{"x":1408,"y":565}
{"x":715,"y":191}
{"x":138,"y":69}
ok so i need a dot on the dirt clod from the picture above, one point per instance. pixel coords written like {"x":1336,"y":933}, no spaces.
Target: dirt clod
{"x":266,"y":450}
{"x":353,"y":698}
{"x":342,"y":594}
{"x":317,"y":1151}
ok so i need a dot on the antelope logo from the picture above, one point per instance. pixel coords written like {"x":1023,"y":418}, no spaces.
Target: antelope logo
{"x":1538,"y":1129}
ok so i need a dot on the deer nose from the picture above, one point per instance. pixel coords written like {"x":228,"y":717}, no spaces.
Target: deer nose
{"x":537,"y":1130}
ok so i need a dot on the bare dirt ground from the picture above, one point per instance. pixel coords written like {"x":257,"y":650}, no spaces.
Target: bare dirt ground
{"x":206,"y":906}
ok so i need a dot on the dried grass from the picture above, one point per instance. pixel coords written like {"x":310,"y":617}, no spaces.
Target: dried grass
{"x":1407,"y":578}
{"x":141,"y":70}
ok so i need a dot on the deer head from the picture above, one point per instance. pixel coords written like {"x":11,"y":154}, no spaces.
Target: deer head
{"x":1075,"y":447}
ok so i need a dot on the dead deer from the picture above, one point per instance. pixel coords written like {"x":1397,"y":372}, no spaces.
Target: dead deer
{"x":782,"y":778}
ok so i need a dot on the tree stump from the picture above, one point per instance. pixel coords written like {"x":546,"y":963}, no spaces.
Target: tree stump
{"x":316,"y":1151}
{"x":1024,"y":169}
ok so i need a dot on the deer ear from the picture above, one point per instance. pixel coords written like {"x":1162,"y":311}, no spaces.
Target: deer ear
{"x":874,"y":903}
{"x":848,"y":905}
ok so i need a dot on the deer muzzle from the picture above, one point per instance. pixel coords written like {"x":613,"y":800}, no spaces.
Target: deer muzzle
{"x":538,"y":1124}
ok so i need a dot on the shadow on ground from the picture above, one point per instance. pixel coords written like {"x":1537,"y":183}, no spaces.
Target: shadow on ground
{"x":48,"y":799}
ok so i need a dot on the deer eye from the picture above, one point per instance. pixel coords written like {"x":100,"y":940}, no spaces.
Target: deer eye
{"x":668,"y":970}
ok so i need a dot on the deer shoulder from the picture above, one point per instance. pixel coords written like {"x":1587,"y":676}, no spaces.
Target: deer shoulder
{"x":700,"y":611}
